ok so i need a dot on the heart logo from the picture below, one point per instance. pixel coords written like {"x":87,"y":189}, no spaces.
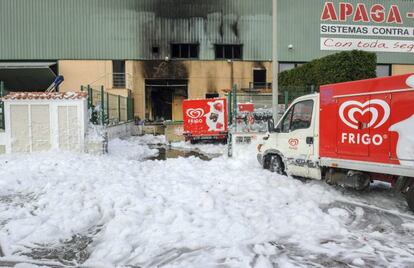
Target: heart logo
{"x":195,"y":113}
{"x":293,"y":142}
{"x":410,"y":81}
{"x":364,"y":109}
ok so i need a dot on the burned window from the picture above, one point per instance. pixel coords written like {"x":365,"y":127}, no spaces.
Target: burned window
{"x":228,"y":52}
{"x":184,"y":51}
{"x":212,"y":95}
{"x":155,"y":50}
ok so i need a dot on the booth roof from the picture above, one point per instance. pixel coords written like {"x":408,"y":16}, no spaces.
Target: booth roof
{"x":45,"y":96}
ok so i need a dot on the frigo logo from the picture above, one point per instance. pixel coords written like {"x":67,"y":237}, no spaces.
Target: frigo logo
{"x":378,"y":110}
{"x":195,"y":113}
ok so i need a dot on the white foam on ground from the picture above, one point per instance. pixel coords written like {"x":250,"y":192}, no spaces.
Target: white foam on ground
{"x":197,"y":213}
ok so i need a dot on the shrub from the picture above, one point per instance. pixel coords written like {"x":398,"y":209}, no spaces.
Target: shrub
{"x":339,"y":67}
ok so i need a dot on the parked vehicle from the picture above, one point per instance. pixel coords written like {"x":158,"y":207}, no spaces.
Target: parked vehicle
{"x":205,"y":119}
{"x":348,"y":134}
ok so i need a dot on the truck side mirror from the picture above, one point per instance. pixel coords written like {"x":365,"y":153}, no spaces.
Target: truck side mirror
{"x":271,"y":125}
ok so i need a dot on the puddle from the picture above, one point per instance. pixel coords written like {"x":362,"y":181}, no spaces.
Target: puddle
{"x":167,"y":152}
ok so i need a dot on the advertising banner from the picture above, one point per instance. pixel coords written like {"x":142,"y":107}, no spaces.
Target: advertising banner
{"x":367,"y":26}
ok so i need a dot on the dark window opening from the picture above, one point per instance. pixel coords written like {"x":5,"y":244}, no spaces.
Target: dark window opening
{"x":163,"y":99}
{"x":155,"y":50}
{"x":212,"y":95}
{"x":259,"y":78}
{"x":383,"y":70}
{"x":184,"y":51}
{"x":228,"y":52}
{"x":118,"y":74}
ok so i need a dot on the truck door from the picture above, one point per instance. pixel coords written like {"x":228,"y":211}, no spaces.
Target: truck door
{"x":353,"y":130}
{"x":295,"y":137}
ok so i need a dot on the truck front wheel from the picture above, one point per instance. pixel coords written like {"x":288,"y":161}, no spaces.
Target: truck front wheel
{"x":276,"y":164}
{"x":410,"y":197}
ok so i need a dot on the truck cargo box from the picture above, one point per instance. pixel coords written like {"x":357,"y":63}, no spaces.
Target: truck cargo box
{"x":369,"y":120}
{"x":205,"y":118}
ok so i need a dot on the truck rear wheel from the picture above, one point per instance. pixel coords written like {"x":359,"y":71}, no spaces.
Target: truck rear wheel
{"x":410,"y":197}
{"x":276,"y":164}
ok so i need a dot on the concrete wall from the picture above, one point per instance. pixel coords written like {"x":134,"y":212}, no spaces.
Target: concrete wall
{"x":84,"y":72}
{"x":122,"y":130}
{"x":203,"y":77}
{"x":402,"y":69}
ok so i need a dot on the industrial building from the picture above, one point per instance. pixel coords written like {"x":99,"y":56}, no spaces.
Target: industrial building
{"x":165,"y":51}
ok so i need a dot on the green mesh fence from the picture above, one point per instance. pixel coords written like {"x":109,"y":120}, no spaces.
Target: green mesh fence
{"x":109,"y":109}
{"x":257,"y":121}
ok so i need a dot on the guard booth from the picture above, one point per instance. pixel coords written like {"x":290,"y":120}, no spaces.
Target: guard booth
{"x":41,"y":121}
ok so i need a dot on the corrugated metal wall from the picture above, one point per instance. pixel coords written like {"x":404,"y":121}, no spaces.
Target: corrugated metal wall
{"x":127,"y":29}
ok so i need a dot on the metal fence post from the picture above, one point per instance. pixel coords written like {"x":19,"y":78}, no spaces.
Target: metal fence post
{"x":90,"y":96}
{"x":312,"y":89}
{"x":132,"y":109}
{"x":229,"y":110}
{"x":119,"y":108}
{"x":286,"y":99}
{"x":107,"y":109}
{"x":2,"y":93}
{"x":234,"y":90}
{"x":2,"y":89}
{"x":102,"y":106}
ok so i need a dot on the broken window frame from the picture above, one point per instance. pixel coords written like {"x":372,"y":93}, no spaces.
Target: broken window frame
{"x":228,"y":51}
{"x":185,"y":50}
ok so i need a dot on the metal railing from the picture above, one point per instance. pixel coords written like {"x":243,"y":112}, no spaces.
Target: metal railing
{"x":258,"y":86}
{"x":108,"y":109}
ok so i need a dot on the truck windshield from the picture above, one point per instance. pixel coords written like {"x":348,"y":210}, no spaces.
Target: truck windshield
{"x":299,"y":116}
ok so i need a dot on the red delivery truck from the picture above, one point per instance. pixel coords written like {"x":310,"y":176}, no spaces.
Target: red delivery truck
{"x":205,"y":119}
{"x":348,"y":134}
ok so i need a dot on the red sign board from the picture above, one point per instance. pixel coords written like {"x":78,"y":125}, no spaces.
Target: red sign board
{"x":369,"y":120}
{"x":205,"y":117}
{"x":246,"y":107}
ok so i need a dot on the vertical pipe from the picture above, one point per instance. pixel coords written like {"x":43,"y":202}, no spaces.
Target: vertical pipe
{"x":275,"y":69}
